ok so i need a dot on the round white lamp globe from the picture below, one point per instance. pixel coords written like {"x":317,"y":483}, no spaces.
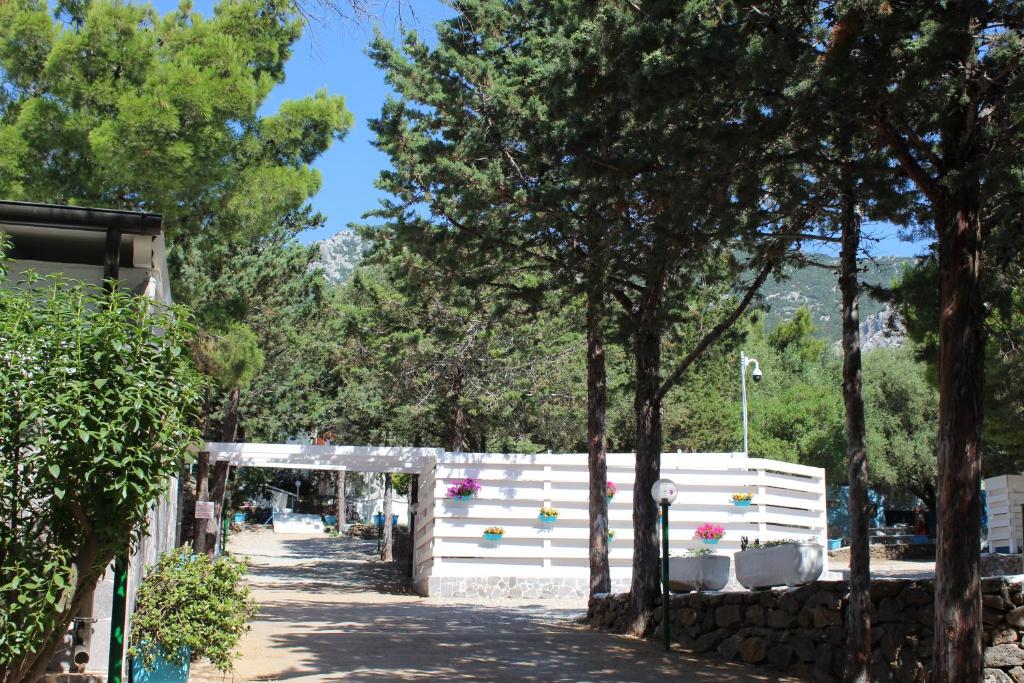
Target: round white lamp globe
{"x":664,"y":491}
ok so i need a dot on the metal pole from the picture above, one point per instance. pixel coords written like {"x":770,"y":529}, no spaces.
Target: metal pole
{"x":115,"y":666}
{"x":743,"y":395}
{"x":666,"y":628}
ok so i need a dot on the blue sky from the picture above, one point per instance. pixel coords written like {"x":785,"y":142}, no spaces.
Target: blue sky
{"x":332,"y":55}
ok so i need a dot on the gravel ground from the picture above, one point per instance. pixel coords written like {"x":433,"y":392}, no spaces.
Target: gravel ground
{"x":331,"y":612}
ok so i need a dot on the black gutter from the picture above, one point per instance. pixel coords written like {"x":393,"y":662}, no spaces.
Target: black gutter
{"x":79,"y":218}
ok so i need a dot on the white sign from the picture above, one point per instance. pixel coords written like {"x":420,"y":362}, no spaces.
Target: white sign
{"x":204,"y":510}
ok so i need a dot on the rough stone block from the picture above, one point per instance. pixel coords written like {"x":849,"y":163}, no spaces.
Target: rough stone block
{"x":780,"y":619}
{"x":708,"y":641}
{"x":915,"y":595}
{"x":779,"y":657}
{"x":755,"y":615}
{"x":1015,"y":617}
{"x":1017,"y":674}
{"x":728,"y":616}
{"x":803,"y":647}
{"x":1004,"y":656}
{"x":688,"y":616}
{"x":753,"y":650}
{"x":996,"y":676}
{"x":730,"y":647}
{"x":823,"y":616}
{"x":1002,"y":635}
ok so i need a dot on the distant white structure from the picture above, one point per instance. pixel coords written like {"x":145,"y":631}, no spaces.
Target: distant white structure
{"x":1004,"y":496}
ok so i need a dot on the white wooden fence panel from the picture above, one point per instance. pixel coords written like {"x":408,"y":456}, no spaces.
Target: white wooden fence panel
{"x":1004,"y":496}
{"x":789,"y":502}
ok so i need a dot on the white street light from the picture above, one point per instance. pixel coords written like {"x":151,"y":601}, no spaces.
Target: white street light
{"x":756,"y":374}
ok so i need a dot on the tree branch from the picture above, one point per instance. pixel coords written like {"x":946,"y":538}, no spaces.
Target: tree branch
{"x":898,"y":145}
{"x":717,"y":331}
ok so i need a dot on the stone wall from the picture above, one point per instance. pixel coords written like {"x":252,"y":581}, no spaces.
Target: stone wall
{"x":801,"y":631}
{"x":1001,"y":564}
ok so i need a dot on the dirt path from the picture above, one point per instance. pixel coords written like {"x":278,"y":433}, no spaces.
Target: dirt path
{"x":330,"y":612}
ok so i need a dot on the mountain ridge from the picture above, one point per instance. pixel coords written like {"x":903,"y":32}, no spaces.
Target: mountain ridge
{"x":815,"y":287}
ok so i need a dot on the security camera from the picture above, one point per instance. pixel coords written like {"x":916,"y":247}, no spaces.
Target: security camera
{"x":757,"y":374}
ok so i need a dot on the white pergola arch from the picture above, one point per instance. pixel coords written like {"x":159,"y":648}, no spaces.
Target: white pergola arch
{"x":310,"y":457}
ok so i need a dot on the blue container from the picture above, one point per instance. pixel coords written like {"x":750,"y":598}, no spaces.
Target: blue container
{"x":239,"y":518}
{"x":463,"y":496}
{"x":378,"y":520}
{"x":331,"y":519}
{"x":920,"y":539}
{"x":710,"y":541}
{"x":835,"y":543}
{"x":163,"y":671}
{"x":741,"y":503}
{"x":546,"y":519}
{"x":492,"y":537}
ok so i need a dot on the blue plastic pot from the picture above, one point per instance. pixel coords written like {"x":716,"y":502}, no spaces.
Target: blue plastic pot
{"x":710,"y":541}
{"x":239,"y":518}
{"x":492,"y":537}
{"x":741,"y":503}
{"x":835,"y":543}
{"x":546,"y":519}
{"x":463,"y":496}
{"x":163,"y":671}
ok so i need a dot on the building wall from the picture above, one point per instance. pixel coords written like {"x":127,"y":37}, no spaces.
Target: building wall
{"x":540,"y":560}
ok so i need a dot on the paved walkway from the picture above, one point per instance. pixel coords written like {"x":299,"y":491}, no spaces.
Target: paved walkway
{"x":331,"y":612}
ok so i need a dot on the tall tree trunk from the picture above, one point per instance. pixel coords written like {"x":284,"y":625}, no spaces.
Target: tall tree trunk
{"x":339,"y":497}
{"x":858,"y":621}
{"x":958,"y":629}
{"x":645,"y":587}
{"x":219,"y":481}
{"x":202,"y":496}
{"x":597,"y":405}
{"x":387,"y":552}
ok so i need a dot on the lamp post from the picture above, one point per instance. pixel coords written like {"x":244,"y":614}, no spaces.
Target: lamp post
{"x":756,"y":374}
{"x":664,"y":493}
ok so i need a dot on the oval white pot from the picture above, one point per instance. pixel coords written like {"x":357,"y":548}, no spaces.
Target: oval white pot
{"x":782,"y":565}
{"x":707,"y":573}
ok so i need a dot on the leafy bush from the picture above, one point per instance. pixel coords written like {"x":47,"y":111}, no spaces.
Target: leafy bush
{"x":191,"y":601}
{"x":99,"y":403}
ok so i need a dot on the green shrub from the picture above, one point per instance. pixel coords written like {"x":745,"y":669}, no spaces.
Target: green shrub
{"x":99,"y":406}
{"x":191,"y":601}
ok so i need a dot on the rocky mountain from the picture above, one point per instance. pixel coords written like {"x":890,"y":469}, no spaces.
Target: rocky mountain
{"x":340,"y":254}
{"x":811,"y":286}
{"x":818,"y":289}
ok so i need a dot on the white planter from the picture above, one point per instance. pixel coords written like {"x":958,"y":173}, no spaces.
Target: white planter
{"x":782,"y":565}
{"x":707,"y":573}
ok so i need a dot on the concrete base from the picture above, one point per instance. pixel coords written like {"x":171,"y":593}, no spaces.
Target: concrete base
{"x":293,"y":523}
{"x":509,"y":587}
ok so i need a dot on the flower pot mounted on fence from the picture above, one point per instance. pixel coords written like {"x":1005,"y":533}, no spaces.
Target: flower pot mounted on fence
{"x":463,"y":489}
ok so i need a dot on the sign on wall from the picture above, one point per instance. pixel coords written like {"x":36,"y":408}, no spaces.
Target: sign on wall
{"x":204,"y":510}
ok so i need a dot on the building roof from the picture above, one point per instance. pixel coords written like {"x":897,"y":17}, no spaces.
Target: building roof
{"x":79,"y":218}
